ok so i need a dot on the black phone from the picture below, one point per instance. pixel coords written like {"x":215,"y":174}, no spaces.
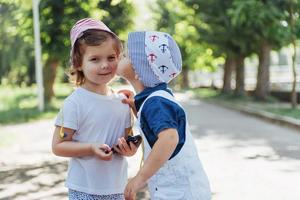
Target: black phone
{"x":136,"y":140}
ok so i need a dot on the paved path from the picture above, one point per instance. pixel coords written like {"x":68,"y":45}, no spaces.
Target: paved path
{"x":245,"y":158}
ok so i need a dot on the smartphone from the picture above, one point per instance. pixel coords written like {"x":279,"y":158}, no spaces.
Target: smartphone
{"x":136,"y":140}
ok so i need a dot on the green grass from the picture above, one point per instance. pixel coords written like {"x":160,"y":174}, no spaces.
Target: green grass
{"x":19,"y":104}
{"x":284,"y":111}
{"x":272,"y":105}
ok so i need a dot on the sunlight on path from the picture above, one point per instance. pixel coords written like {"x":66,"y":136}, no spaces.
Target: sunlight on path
{"x":245,"y":158}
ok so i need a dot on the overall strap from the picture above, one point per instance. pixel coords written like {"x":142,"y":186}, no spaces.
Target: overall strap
{"x":160,"y":93}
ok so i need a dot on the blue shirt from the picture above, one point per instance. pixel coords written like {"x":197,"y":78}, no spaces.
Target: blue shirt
{"x":160,"y":113}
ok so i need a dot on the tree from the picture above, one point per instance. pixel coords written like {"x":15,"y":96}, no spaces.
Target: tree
{"x":228,"y":38}
{"x":263,"y":20}
{"x":117,"y":15}
{"x":291,"y":11}
{"x":15,"y":50}
{"x":293,"y":14}
{"x":229,"y":67}
{"x":178,"y":20}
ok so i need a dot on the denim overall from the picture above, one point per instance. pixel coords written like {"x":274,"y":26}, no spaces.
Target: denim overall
{"x":182,"y":177}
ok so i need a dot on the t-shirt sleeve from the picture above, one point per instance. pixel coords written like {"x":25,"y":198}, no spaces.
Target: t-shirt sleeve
{"x":67,"y":116}
{"x":159,"y":113}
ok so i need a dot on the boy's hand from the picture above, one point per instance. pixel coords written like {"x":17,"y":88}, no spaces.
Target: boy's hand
{"x":102,"y":151}
{"x":129,"y":100}
{"x":133,"y":186}
{"x":124,"y":149}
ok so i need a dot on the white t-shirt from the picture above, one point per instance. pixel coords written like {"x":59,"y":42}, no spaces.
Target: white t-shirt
{"x":96,"y":119}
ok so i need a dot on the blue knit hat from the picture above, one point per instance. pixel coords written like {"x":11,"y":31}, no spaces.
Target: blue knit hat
{"x":155,"y":56}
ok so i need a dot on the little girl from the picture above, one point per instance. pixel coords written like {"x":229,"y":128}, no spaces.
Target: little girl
{"x":93,"y":118}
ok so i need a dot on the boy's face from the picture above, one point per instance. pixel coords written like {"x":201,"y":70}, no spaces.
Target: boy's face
{"x":125,"y":69}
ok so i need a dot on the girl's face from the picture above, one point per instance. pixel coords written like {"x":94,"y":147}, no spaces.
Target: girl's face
{"x":99,"y":63}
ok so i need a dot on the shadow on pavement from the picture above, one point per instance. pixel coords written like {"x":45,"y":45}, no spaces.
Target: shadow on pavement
{"x":33,"y":182}
{"x":43,"y":181}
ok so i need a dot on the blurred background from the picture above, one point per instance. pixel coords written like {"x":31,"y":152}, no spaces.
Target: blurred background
{"x":237,"y":53}
{"x":240,"y":48}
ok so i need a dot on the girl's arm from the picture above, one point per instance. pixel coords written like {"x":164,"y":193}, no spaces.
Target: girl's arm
{"x":66,"y":147}
{"x":160,"y":153}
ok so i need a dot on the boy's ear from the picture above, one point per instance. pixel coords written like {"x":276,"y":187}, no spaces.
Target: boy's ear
{"x":136,"y":77}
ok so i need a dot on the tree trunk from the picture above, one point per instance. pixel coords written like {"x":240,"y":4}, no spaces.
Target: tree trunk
{"x":185,"y":78}
{"x":294,"y":91}
{"x":263,"y":73}
{"x":293,"y":41}
{"x":228,"y":68}
{"x":49,"y":78}
{"x":31,"y":74}
{"x":240,"y":76}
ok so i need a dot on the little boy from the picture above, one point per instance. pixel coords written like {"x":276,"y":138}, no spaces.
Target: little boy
{"x":172,"y":168}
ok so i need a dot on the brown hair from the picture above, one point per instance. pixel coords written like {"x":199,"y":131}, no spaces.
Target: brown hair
{"x":91,"y":37}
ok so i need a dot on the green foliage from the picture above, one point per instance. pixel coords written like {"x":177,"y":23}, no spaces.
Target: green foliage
{"x":118,"y":15}
{"x":16,"y":55}
{"x":291,"y":8}
{"x":56,"y":19}
{"x":177,"y":19}
{"x":217,"y":28}
{"x":238,"y":27}
{"x":263,"y":19}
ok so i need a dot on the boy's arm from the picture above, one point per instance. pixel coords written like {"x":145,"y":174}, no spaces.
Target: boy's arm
{"x":66,"y":147}
{"x":160,"y":153}
{"x":129,"y":100}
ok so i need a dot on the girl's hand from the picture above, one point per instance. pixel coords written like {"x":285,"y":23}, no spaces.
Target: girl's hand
{"x":133,"y":186}
{"x":129,"y":100}
{"x":124,"y":149}
{"x":102,"y":151}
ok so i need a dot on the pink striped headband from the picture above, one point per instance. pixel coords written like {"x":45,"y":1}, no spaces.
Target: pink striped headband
{"x":86,"y":24}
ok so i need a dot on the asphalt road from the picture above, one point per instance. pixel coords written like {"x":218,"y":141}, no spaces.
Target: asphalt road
{"x":245,"y":158}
